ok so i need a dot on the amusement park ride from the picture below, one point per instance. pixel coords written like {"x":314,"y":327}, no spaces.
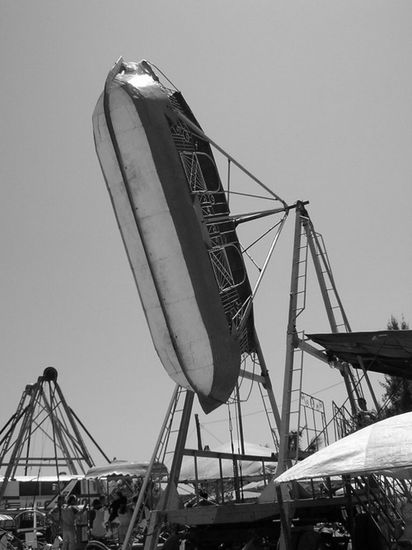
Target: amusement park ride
{"x":196,"y":287}
{"x":189,"y":267}
{"x":43,"y":439}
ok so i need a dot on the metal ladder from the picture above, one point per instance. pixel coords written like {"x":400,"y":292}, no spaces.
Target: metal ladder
{"x":334,"y":308}
{"x":379,"y":505}
{"x":164,"y":450}
{"x":297,"y":304}
{"x":336,"y":314}
{"x":166,"y":445}
{"x":295,"y":431}
{"x":269,"y":415}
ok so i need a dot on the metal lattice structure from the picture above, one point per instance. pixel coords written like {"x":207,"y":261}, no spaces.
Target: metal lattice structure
{"x":44,"y":436}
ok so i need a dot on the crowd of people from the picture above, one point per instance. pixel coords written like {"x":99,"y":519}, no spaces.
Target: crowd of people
{"x":73,"y":523}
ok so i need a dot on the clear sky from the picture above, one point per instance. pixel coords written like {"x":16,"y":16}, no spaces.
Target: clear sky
{"x":314,"y":97}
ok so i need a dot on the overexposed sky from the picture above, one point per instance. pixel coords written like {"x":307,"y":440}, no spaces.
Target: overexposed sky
{"x":314,"y":97}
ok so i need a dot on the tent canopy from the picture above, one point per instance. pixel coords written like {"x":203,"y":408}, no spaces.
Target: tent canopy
{"x":384,"y":447}
{"x":384,"y":351}
{"x":126,"y":468}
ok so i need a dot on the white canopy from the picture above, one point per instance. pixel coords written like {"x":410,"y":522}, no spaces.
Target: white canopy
{"x":125,"y":468}
{"x":384,"y":447}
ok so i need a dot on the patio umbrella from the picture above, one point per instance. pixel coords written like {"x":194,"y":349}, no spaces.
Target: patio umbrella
{"x":384,"y":447}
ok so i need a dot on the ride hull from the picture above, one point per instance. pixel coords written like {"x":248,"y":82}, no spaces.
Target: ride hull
{"x":164,"y":238}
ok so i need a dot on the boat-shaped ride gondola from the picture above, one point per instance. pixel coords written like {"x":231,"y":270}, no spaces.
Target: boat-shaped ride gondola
{"x":174,"y":218}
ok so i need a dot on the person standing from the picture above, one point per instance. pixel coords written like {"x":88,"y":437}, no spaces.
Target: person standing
{"x":97,"y":520}
{"x":55,"y":518}
{"x":124,"y":516}
{"x":68,"y":515}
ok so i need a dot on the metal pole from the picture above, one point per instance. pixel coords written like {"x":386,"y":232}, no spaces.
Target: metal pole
{"x":79,"y":439}
{"x":285,"y":542}
{"x":155,"y":523}
{"x":149,"y":470}
{"x":89,"y":435}
{"x":57,"y":432}
{"x":267,"y":383}
{"x":240,"y":420}
{"x":199,"y":132}
{"x":180,"y":443}
{"x":371,"y":391}
{"x":199,"y":435}
{"x":14,"y":458}
{"x":246,"y":311}
{"x":316,"y":252}
{"x":313,"y":247}
{"x":291,"y":344}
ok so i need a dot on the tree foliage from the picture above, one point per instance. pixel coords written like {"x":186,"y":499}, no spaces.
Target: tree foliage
{"x":397,"y":397}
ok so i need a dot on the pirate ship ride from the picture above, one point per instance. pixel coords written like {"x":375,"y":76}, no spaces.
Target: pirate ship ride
{"x":190,"y":269}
